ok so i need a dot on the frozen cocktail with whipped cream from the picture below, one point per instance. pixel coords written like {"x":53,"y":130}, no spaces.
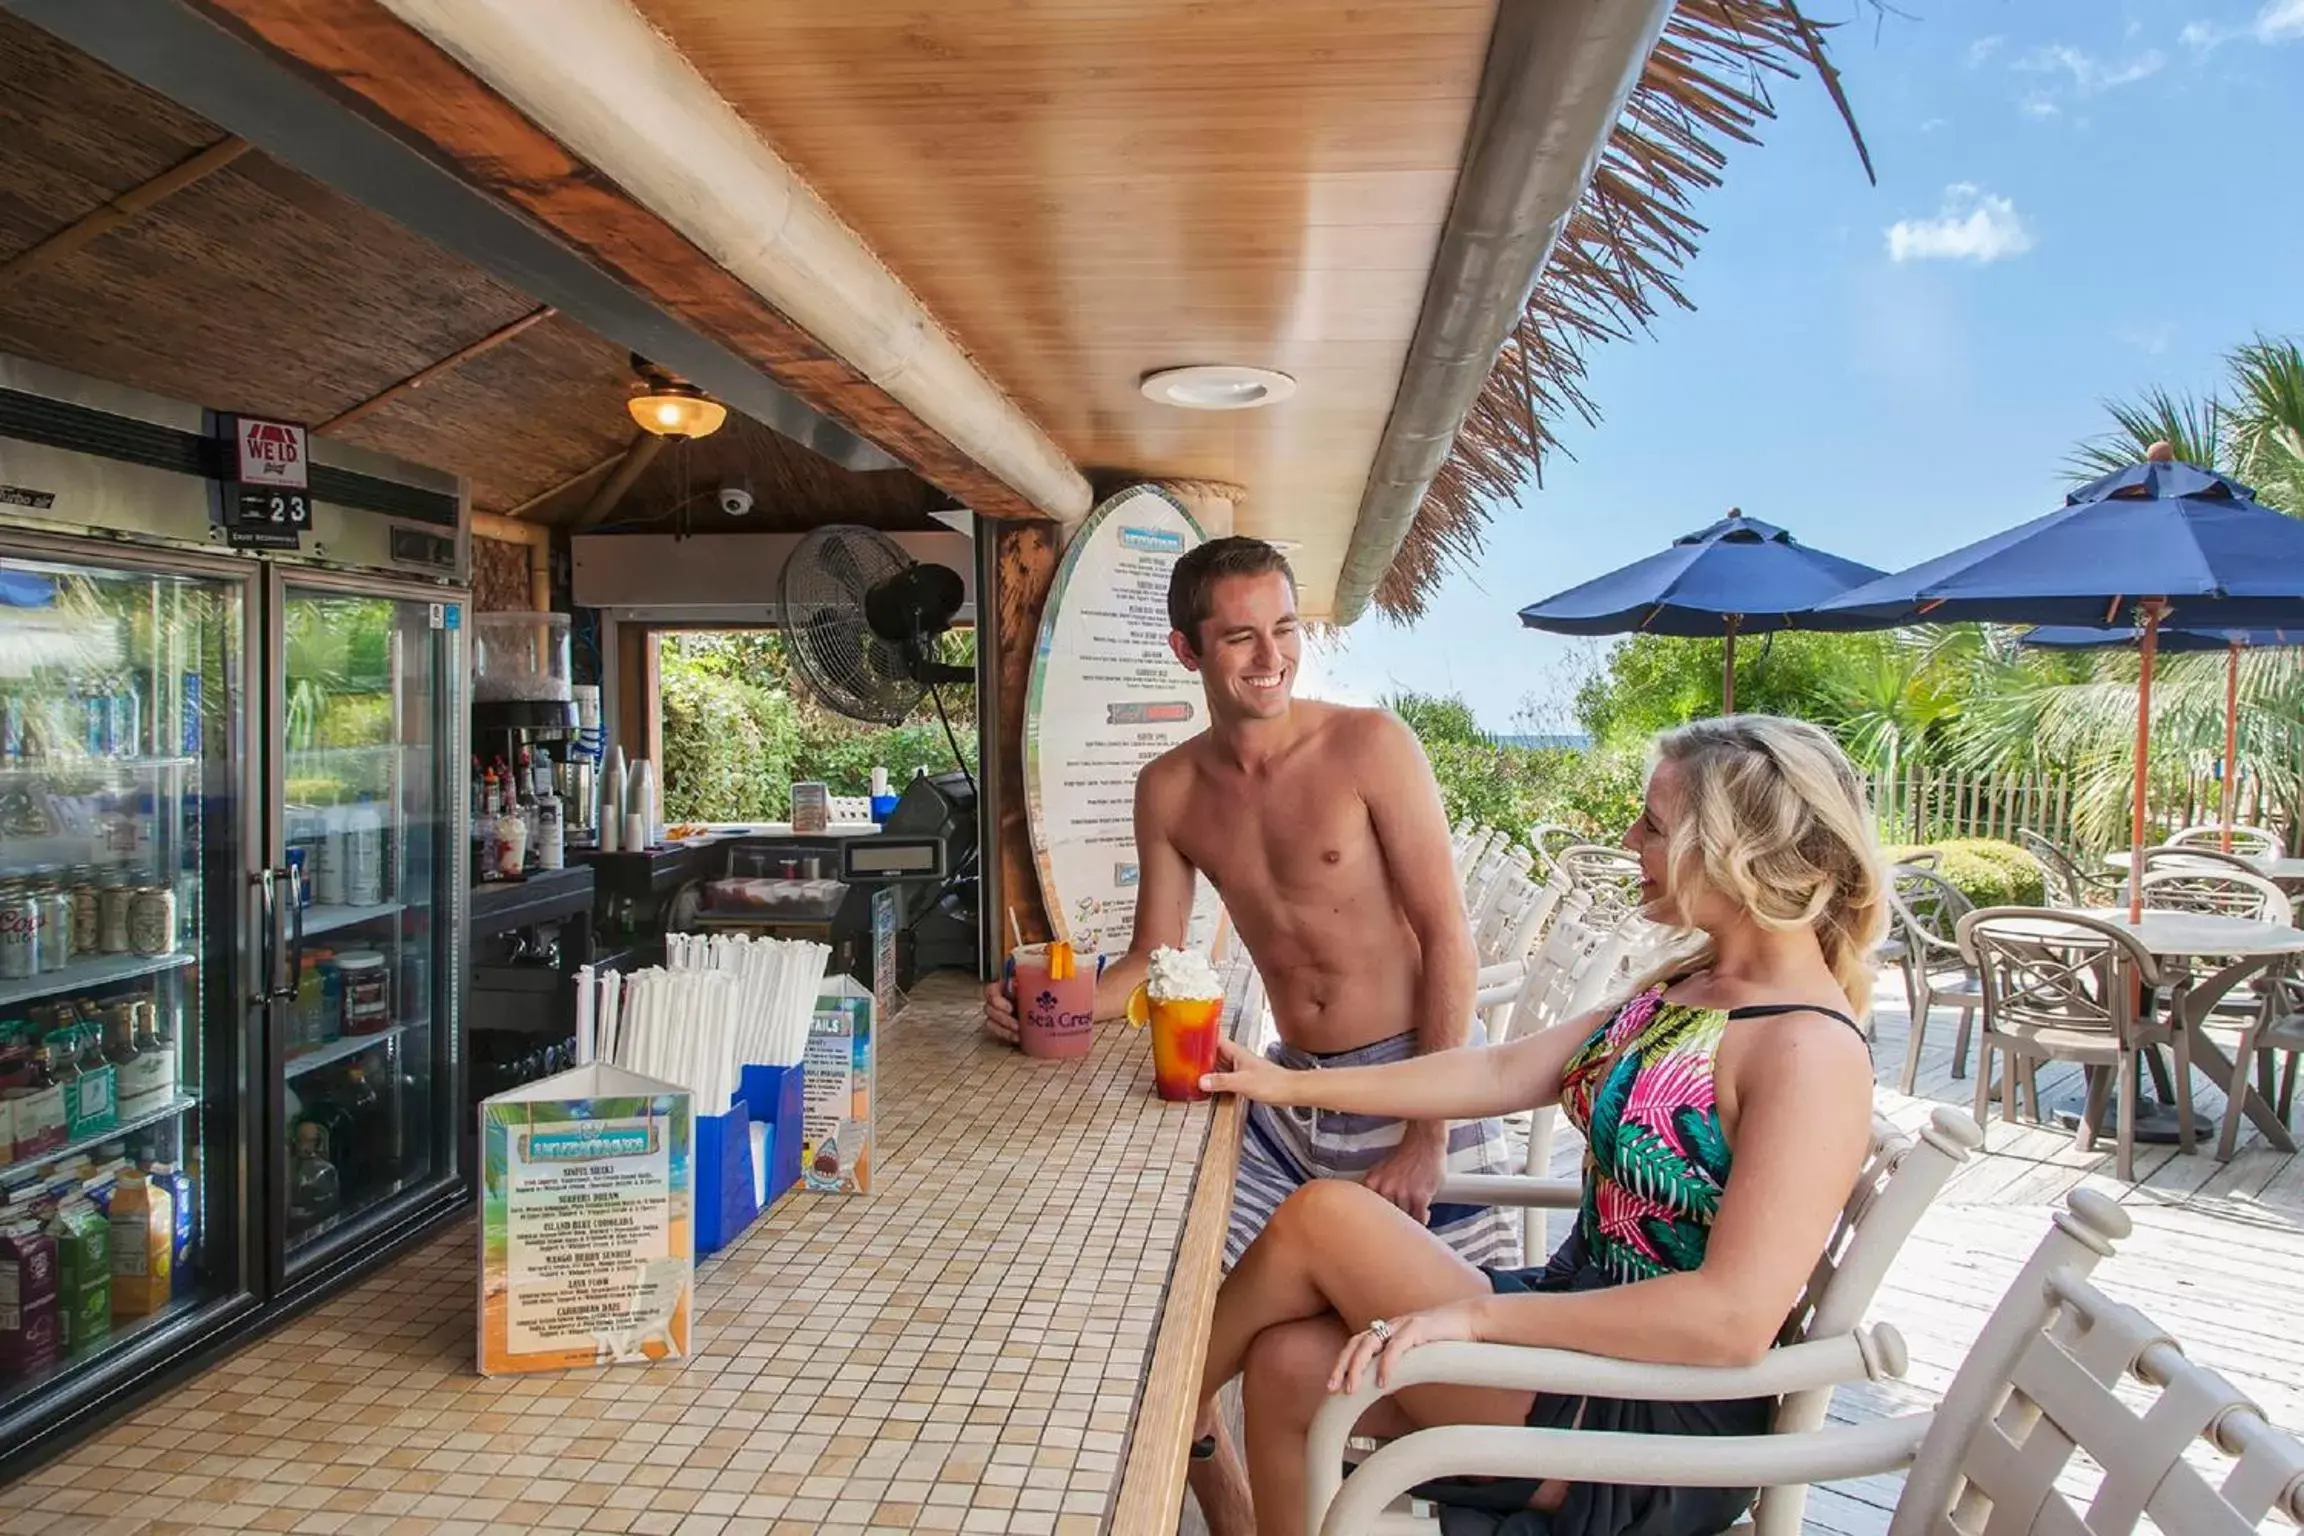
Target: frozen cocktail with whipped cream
{"x":1183,"y":1000}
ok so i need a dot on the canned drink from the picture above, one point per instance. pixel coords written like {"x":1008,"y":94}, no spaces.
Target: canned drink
{"x":152,"y":920}
{"x":87,"y":914}
{"x":112,"y":918}
{"x":55,"y":938}
{"x":19,"y":934}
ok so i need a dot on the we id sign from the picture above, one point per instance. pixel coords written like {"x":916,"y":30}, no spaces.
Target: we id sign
{"x":272,"y":454}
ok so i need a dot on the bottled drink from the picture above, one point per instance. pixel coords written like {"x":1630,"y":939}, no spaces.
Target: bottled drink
{"x":148,"y":1076}
{"x":329,"y":856}
{"x":364,"y":853}
{"x":315,"y":1194}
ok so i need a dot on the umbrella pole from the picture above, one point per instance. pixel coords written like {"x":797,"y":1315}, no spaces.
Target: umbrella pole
{"x":2231,"y":739}
{"x":1728,"y":672}
{"x":2150,"y":651}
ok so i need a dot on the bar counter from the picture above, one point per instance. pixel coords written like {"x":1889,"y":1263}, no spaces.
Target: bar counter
{"x":1004,"y":1336}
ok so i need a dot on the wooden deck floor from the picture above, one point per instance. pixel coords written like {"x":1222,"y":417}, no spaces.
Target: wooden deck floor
{"x":2215,"y":1257}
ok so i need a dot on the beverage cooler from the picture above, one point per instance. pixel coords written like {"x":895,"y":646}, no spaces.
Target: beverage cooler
{"x":231,"y":884}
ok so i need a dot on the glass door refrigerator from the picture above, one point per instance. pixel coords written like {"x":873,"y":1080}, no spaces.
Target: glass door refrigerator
{"x":231,"y":903}
{"x":367,"y":705}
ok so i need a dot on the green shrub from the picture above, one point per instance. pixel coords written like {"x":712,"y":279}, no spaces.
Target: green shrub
{"x":1988,"y":872}
{"x":728,"y":747}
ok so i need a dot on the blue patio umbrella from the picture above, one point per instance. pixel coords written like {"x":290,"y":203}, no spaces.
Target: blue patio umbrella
{"x":2230,"y":641}
{"x":2154,"y":539}
{"x":1738,"y":576}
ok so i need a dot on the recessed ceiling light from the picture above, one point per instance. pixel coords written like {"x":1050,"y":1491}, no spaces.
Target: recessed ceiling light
{"x":1218,"y":387}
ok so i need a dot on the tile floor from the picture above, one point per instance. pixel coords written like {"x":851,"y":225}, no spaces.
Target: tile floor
{"x":959,"y":1351}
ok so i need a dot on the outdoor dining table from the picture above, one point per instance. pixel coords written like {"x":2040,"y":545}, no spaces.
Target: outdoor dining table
{"x":2281,"y":871}
{"x":2251,"y":949}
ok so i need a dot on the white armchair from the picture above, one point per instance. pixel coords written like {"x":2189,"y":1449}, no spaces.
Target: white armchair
{"x":2044,"y":1379}
{"x":1821,"y":1347}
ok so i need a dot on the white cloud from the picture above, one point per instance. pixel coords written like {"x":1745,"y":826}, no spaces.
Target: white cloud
{"x":2280,"y":21}
{"x":1983,"y":48}
{"x":1971,"y":225}
{"x":2092,"y":76}
{"x":2037,"y":105}
{"x":1935,"y":123}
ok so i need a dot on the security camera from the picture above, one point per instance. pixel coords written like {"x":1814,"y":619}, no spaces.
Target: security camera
{"x":736,"y":498}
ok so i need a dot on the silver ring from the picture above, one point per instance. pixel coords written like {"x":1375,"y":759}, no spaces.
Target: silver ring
{"x":1381,"y":1331}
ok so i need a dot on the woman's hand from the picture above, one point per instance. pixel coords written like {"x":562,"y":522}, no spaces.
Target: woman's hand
{"x":1247,"y":1074}
{"x":1386,"y":1340}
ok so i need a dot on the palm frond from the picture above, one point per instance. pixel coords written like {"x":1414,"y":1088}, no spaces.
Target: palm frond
{"x":1617,"y":263}
{"x":2194,"y":426}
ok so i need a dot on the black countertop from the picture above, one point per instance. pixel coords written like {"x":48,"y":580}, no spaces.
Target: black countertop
{"x":546,"y":894}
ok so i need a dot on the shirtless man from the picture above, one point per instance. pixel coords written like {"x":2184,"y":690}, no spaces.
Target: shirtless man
{"x":1322,"y":829}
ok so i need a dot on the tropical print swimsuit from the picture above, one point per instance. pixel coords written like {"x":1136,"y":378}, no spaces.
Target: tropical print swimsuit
{"x":1643,"y":1093}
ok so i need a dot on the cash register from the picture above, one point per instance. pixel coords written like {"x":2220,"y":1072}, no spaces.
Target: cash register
{"x":820,"y":886}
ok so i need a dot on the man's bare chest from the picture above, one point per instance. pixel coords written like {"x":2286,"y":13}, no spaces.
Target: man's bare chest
{"x":1298,"y":834}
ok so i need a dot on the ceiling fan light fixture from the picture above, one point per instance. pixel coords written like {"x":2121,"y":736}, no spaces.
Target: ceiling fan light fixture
{"x":1217,"y":387}
{"x":670,"y":408}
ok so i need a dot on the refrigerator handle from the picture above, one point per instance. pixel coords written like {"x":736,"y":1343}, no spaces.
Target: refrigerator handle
{"x":284,"y":959}
{"x":293,"y":974}
{"x":268,"y":924}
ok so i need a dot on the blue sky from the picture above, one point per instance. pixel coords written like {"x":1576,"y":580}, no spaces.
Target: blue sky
{"x":2078,"y":199}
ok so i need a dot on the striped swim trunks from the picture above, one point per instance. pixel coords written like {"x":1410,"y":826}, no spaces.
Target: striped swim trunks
{"x":1283,"y":1149}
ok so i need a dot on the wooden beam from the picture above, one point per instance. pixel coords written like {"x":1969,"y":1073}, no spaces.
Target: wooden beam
{"x":363,"y":51}
{"x":1023,"y":569}
{"x":122,"y":210}
{"x":426,"y":375}
{"x":569,"y":484}
{"x":645,"y":446}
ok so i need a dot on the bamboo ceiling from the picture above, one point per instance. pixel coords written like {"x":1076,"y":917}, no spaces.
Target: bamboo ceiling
{"x":256,"y":289}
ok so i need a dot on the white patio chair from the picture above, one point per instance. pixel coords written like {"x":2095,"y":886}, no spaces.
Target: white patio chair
{"x":1821,"y":1346}
{"x":2042,"y":1382}
{"x":1550,"y":840}
{"x":1612,"y":875}
{"x":1511,"y":877}
{"x":2248,"y":842}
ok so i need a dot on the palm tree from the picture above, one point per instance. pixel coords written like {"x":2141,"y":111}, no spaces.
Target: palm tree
{"x":2254,"y":432}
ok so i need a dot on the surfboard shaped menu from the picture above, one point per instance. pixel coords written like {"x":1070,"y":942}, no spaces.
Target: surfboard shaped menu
{"x":1107,"y":696}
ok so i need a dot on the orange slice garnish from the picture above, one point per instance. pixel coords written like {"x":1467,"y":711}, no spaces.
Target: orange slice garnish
{"x":1062,"y":963}
{"x":1140,"y":1006}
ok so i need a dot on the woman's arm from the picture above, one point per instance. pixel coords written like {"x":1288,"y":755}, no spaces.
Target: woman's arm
{"x":1803,"y":1129}
{"x":1468,"y":1083}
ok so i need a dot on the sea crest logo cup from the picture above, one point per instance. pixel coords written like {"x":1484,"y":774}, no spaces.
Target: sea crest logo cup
{"x":1056,"y":1002}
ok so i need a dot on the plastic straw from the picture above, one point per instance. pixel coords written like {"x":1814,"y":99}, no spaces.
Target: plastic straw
{"x":584,"y":1017}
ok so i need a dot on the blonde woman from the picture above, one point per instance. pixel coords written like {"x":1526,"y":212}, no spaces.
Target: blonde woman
{"x":1727,"y":1108}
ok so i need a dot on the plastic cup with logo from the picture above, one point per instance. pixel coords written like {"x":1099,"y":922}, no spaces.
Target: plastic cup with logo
{"x":1055,"y":995}
{"x":1183,"y":1002}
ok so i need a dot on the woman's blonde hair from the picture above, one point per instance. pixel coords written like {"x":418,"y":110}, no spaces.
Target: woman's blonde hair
{"x":1774,"y":819}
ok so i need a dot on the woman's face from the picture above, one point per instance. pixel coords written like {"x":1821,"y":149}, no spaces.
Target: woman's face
{"x":1650,"y":838}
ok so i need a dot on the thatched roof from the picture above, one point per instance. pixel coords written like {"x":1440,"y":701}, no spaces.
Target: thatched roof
{"x":1617,"y":262}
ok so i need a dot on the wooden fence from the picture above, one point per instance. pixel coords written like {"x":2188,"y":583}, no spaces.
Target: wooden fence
{"x":1925,"y":805}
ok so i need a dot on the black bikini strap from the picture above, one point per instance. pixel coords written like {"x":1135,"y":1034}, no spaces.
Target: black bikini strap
{"x":1772,"y":1010}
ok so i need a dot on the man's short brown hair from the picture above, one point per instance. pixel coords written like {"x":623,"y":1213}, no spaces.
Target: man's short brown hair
{"x":1192,"y":585}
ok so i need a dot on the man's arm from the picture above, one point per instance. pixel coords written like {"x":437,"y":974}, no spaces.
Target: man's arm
{"x":1164,"y":884}
{"x":1164,"y":881}
{"x":1411,"y":826}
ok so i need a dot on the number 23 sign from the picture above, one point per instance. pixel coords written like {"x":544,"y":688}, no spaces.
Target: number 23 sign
{"x":270,"y":499}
